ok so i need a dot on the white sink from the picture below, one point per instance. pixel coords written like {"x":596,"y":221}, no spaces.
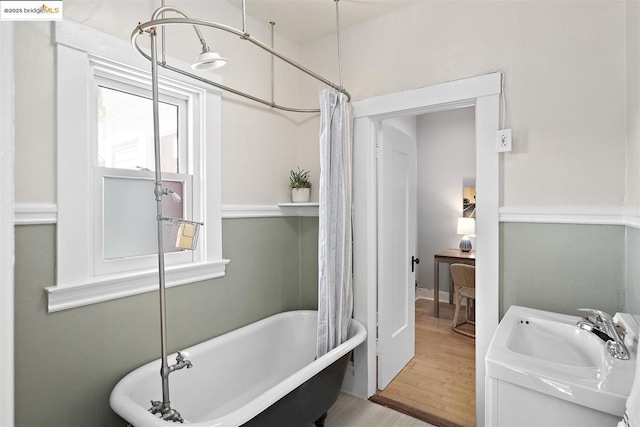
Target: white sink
{"x":547,"y":353}
{"x":555,"y":341}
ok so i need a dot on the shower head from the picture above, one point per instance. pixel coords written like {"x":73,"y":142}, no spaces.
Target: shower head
{"x":208,"y":60}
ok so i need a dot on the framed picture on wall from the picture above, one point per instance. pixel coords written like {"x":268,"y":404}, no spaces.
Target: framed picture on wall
{"x":469,"y":197}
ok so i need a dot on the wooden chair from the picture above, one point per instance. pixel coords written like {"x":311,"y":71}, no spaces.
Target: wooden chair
{"x":464,"y":282}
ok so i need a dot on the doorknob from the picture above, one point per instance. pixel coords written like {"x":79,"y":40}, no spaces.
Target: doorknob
{"x":414,"y":261}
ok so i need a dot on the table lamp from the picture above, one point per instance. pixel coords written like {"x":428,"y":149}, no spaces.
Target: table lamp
{"x":466,"y":227}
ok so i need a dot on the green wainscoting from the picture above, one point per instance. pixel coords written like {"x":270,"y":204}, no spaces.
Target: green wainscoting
{"x":560,"y":267}
{"x":309,"y":262}
{"x":66,"y":363}
{"x":633,"y":270}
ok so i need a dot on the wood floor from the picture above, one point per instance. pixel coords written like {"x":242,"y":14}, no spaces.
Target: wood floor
{"x":438,"y":384}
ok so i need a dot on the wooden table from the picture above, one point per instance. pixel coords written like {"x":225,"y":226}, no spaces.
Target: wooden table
{"x":450,"y":256}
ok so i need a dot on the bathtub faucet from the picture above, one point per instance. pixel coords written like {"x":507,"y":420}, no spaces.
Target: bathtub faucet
{"x":181,"y":362}
{"x":165,"y":412}
{"x":163,"y":409}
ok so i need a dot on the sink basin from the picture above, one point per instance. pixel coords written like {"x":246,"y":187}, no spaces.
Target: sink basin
{"x":547,"y":353}
{"x":556,"y":342}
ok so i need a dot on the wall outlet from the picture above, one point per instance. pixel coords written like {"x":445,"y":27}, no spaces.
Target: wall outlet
{"x":503,"y":140}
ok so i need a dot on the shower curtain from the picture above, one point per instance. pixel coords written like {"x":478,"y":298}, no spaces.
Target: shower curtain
{"x":335,"y":291}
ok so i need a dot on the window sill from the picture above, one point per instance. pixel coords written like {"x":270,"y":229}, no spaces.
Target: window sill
{"x":127,"y":284}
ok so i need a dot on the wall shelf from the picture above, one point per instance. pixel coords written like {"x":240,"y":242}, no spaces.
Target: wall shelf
{"x":299,"y":209}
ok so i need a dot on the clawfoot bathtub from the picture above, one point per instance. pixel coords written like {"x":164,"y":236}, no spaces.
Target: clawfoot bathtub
{"x":264,"y":374}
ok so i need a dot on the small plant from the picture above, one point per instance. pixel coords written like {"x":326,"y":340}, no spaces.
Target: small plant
{"x":299,"y":178}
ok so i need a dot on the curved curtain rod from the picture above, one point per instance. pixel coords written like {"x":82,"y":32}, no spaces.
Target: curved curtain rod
{"x":146,"y":26}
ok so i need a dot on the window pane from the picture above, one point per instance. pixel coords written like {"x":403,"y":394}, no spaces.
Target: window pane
{"x":130,"y":217}
{"x":125,"y":132}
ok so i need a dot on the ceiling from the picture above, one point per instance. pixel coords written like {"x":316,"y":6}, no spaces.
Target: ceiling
{"x":302,"y":21}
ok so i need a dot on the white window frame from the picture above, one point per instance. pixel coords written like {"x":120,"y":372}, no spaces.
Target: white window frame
{"x":124,"y":80}
{"x":110,"y":78}
{"x":82,"y":56}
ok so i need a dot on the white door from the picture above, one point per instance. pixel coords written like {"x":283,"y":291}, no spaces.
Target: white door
{"x":396,"y":249}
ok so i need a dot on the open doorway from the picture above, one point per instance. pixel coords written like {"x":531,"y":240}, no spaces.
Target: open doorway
{"x":482,"y":93}
{"x":438,"y":383}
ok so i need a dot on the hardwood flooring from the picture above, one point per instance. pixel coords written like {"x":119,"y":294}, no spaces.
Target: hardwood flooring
{"x":438,"y":384}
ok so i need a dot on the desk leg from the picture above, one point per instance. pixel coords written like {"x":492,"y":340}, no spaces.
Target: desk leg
{"x":436,"y":289}
{"x":450,"y":288}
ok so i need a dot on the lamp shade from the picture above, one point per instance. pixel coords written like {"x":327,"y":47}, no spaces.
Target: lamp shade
{"x":467,"y":226}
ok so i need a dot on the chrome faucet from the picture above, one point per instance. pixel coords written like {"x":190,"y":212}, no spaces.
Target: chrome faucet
{"x":165,"y":412}
{"x":602,"y":325}
{"x":164,"y":408}
{"x":181,"y":362}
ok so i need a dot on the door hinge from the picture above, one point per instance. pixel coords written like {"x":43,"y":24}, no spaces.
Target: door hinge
{"x":378,"y":151}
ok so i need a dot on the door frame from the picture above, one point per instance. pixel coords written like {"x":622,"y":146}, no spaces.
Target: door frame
{"x":483,"y":93}
{"x":6,"y":224}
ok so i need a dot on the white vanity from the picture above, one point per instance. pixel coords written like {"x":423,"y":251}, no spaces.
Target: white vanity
{"x":543,"y":370}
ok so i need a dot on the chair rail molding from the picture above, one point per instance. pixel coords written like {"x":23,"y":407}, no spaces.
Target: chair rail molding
{"x":35,"y":213}
{"x":631,"y":216}
{"x":47,"y":213}
{"x":572,"y":214}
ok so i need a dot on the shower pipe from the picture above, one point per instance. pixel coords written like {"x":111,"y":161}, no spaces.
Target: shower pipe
{"x":163,"y":408}
{"x":155,"y":22}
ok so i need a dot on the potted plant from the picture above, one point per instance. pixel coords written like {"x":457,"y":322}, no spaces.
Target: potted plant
{"x":300,"y":186}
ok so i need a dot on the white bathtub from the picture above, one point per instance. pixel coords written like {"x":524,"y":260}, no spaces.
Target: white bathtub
{"x":261,"y":370}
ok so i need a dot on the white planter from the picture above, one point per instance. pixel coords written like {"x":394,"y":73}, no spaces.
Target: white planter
{"x":300,"y":195}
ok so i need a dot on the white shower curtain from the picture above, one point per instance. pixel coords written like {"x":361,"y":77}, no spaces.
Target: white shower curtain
{"x":335,"y":291}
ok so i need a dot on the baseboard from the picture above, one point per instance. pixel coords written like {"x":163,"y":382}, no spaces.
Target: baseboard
{"x":424,"y":293}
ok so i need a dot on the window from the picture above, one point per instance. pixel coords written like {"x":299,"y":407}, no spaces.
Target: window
{"x":106,"y":245}
{"x":124,"y":173}
{"x":125,"y":128}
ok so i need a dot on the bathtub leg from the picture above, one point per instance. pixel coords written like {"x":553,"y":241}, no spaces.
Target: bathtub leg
{"x":320,"y":421}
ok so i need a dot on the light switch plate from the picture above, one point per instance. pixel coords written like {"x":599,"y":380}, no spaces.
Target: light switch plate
{"x":503,"y":140}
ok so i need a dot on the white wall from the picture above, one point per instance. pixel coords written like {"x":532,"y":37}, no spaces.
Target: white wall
{"x":632,"y":197}
{"x":446,"y":155}
{"x":564,"y":63}
{"x":566,"y":91}
{"x":259,"y":146}
{"x":633,"y":102}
